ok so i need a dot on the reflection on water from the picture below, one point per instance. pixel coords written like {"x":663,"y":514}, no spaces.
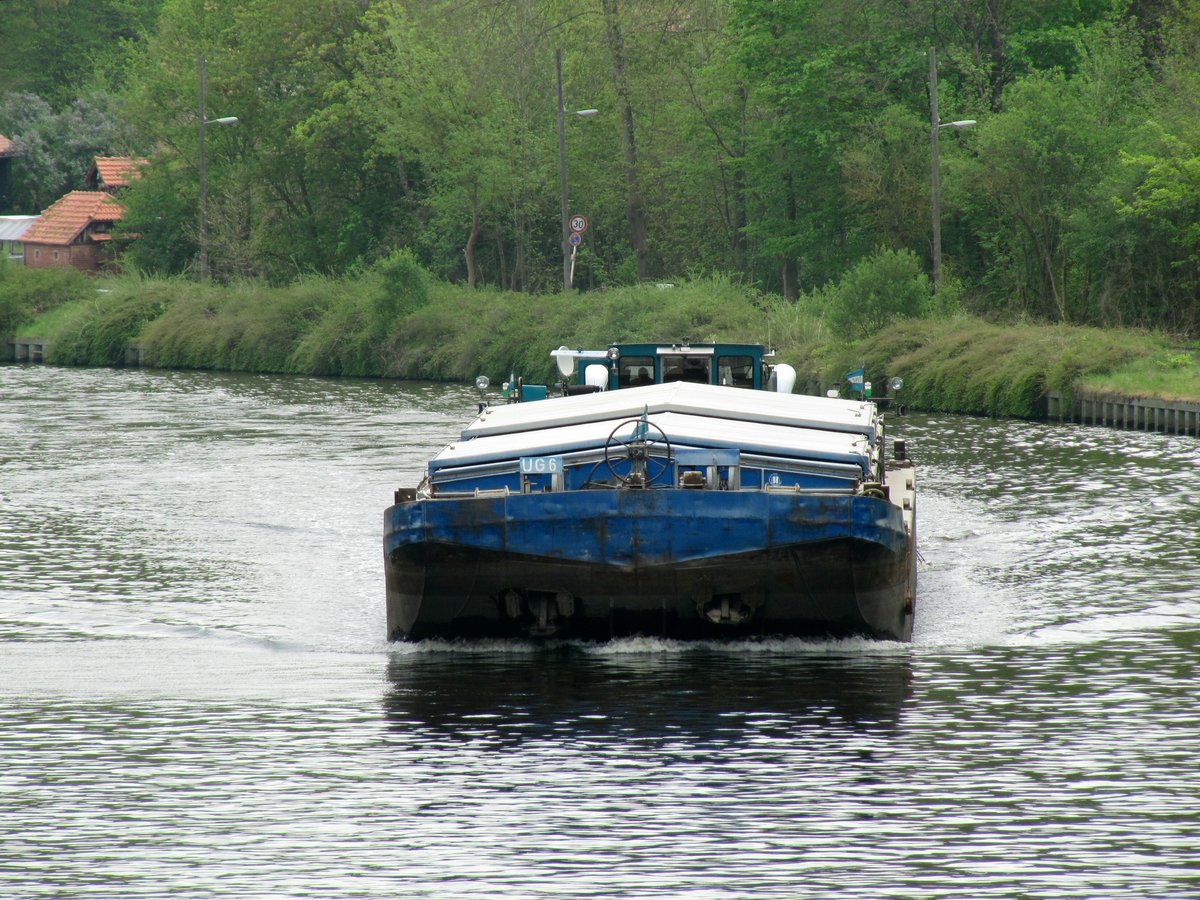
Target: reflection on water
{"x":197,"y":700}
{"x":708,"y":695}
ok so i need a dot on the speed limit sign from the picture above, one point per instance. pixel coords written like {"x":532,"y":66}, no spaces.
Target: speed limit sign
{"x":579,"y":224}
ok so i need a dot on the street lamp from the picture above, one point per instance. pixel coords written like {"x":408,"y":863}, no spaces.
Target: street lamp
{"x":562,"y":168}
{"x":936,"y":193}
{"x":223,"y":120}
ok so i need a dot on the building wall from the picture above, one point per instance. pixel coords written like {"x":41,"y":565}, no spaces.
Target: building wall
{"x":48,"y":256}
{"x":5,"y":184}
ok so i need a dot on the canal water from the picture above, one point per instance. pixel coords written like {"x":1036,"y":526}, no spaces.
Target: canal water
{"x":196,"y":699}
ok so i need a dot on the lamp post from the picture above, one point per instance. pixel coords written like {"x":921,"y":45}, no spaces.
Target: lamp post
{"x":936,"y":175}
{"x":203,"y":211}
{"x":562,"y":168}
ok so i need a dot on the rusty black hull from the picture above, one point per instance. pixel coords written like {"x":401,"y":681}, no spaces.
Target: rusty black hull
{"x":675,"y":563}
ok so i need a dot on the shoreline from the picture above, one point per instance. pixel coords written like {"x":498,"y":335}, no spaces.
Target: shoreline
{"x":1082,"y":406}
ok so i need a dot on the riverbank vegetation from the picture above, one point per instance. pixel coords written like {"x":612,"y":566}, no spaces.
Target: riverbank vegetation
{"x":780,"y":143}
{"x":396,"y":321}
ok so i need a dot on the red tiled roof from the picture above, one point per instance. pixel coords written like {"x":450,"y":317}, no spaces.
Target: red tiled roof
{"x":6,"y":146}
{"x":70,"y":215}
{"x":117,"y":171}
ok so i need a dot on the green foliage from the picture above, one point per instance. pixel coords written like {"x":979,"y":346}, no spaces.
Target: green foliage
{"x":28,"y":293}
{"x":1170,"y":374}
{"x":882,"y":288}
{"x":404,"y":288}
{"x":287,"y":182}
{"x":54,"y":148}
{"x":160,"y":222}
{"x":352,"y":335}
{"x":51,"y":47}
{"x":97,"y":332}
{"x":967,"y":365}
{"x":780,"y":142}
{"x":1168,"y":360}
{"x":245,"y":328}
{"x":331,"y":327}
{"x":464,"y":333}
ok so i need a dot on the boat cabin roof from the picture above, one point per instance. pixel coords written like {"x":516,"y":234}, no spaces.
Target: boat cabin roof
{"x":847,"y":454}
{"x":714,"y":402}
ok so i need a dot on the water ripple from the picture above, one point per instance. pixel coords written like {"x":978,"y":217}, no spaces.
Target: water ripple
{"x":198,"y":701}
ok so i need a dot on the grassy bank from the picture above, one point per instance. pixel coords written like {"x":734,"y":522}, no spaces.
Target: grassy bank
{"x":396,"y":323}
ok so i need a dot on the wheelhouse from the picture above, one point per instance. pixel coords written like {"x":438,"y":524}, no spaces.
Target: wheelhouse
{"x":637,"y":365}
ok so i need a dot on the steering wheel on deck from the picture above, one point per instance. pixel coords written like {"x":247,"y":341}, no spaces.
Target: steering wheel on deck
{"x":637,"y":450}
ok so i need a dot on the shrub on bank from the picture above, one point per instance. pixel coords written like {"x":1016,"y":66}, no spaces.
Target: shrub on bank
{"x":967,"y":365}
{"x":462,"y":333}
{"x":26,"y":294}
{"x":245,"y":327}
{"x":883,"y":287}
{"x":98,"y":331}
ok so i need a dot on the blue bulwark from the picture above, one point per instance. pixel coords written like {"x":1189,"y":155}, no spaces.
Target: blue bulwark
{"x":645,"y":528}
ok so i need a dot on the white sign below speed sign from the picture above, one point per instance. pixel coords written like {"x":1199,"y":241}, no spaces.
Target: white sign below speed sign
{"x":579,"y":224}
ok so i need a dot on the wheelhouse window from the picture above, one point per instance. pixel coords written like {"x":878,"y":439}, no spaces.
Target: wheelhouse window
{"x":735,"y":371}
{"x":687,"y":367}
{"x":634,"y":371}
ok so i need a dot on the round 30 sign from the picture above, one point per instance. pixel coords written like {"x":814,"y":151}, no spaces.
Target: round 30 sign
{"x":579,"y":224}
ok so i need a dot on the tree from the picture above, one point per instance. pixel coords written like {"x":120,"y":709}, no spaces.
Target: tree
{"x":615,"y":39}
{"x":55,"y":149}
{"x":819,"y":73}
{"x":440,"y":98}
{"x":280,"y":199}
{"x":1139,"y":234}
{"x":1038,"y":167}
{"x":885,"y":286}
{"x":52,"y":47}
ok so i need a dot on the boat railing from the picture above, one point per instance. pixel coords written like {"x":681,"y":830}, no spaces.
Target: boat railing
{"x":504,"y":492}
{"x":703,"y":468}
{"x":807,"y":491}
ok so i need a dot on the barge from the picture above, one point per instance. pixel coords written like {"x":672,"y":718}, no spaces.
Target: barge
{"x":676,"y":490}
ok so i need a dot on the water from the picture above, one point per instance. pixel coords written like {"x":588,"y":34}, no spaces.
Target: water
{"x":197,"y":700}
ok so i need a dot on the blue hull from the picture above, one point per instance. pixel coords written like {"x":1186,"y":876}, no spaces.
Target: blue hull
{"x":681,"y":563}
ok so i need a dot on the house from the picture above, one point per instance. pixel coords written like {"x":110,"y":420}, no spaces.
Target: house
{"x":111,"y":173}
{"x":74,"y":231}
{"x":12,"y":237}
{"x":7,"y":151}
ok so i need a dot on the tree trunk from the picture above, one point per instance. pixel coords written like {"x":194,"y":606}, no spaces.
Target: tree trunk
{"x":519,"y":281}
{"x":472,"y":238}
{"x":501,"y":257}
{"x":637,"y":215}
{"x":740,"y":191}
{"x":790,"y":272}
{"x":420,"y":210}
